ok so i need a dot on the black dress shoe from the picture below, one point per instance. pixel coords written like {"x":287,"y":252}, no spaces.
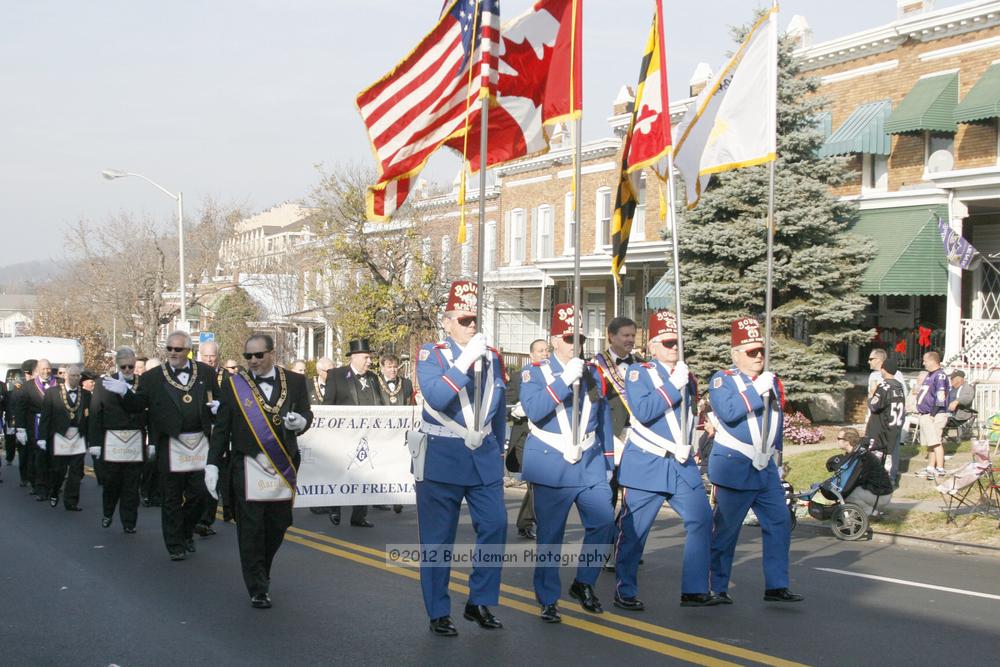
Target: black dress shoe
{"x":527,"y":533}
{"x":550,"y":614}
{"x":335,"y":519}
{"x":629,"y":604}
{"x":53,"y":501}
{"x":443,"y":627}
{"x":397,"y":508}
{"x":203,"y":529}
{"x":482,"y":615}
{"x":260,"y":601}
{"x":146,"y":502}
{"x":129,"y":530}
{"x":699,"y":600}
{"x":364,"y":523}
{"x":189,"y":546}
{"x":584,"y":593}
{"x":781,"y":595}
{"x":177,"y":556}
{"x":106,"y":522}
{"x":724,"y":597}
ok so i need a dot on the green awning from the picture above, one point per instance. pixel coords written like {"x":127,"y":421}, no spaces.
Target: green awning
{"x":983,"y":101}
{"x":662,"y":293}
{"x":862,"y":132}
{"x":930,"y":105}
{"x":824,"y":123}
{"x":909,"y":259}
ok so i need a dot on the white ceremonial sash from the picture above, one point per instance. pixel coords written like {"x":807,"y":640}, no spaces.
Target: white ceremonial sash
{"x":754,"y":452}
{"x":458,"y":430}
{"x":262,"y":486}
{"x":70,"y":444}
{"x":562,"y":441}
{"x":188,"y":452}
{"x":123,"y":446}
{"x":680,"y":452}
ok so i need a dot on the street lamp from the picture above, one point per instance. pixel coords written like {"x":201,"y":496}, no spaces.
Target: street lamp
{"x":112,"y":174}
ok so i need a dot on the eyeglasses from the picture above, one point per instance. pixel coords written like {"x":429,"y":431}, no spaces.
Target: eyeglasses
{"x":255,"y":355}
{"x":126,"y":366}
{"x":176,"y":349}
{"x":872,"y":358}
{"x":466,"y":321}
{"x":669,"y":344}
{"x":756,"y":353}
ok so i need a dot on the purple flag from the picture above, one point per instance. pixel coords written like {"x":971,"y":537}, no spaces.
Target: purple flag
{"x":958,"y":250}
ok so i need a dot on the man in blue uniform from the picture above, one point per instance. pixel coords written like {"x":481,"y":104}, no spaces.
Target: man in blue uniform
{"x":564,"y":472}
{"x":745,"y":401}
{"x":453,"y":460}
{"x":657,"y":465}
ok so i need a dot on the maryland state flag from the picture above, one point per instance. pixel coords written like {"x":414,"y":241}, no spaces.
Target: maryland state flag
{"x":647,"y":141}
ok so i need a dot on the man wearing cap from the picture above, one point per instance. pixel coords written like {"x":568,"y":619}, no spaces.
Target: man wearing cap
{"x":747,"y":400}
{"x":27,"y":413}
{"x":962,"y":397}
{"x":564,"y":472}
{"x":455,"y":461}
{"x":354,"y":384}
{"x":62,"y":436}
{"x":887,"y":406}
{"x":658,"y":465}
{"x":117,"y":438}
{"x":15,"y":434}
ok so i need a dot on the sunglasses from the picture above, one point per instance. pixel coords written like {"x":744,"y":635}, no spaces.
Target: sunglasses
{"x":255,"y":355}
{"x":669,"y":344}
{"x":176,"y":349}
{"x":466,"y":321}
{"x":126,"y":366}
{"x":755,"y":353}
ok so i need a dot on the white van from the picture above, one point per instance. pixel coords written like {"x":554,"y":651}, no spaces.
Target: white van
{"x":59,"y":351}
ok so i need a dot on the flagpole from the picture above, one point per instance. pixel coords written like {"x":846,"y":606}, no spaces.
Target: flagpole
{"x":674,"y":223}
{"x":577,"y":179}
{"x":480,"y":251}
{"x":768,"y":296}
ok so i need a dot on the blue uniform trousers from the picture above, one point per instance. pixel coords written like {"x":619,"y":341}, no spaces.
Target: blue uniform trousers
{"x":731,"y":507}
{"x":438,"y":507}
{"x":552,"y":505}
{"x":638,"y":512}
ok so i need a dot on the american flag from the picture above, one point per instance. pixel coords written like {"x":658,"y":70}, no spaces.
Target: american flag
{"x":429,"y":97}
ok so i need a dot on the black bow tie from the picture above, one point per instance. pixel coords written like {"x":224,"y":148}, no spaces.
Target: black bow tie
{"x":267,"y":380}
{"x":72,"y":392}
{"x":626,"y":360}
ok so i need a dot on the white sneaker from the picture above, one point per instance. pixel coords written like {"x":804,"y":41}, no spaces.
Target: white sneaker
{"x":929,"y":473}
{"x":941,"y":471}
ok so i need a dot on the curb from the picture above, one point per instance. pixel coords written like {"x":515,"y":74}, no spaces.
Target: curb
{"x":933,"y":543}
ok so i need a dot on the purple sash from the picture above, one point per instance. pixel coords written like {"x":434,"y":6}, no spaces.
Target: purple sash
{"x":42,"y":388}
{"x":262,"y":430}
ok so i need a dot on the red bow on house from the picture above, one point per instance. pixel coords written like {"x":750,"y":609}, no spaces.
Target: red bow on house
{"x":878,"y":335}
{"x":925,"y":337}
{"x":901,"y":347}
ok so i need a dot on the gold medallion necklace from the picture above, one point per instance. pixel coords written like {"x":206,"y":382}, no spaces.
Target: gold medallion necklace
{"x":186,"y":397}
{"x":65,"y":400}
{"x":389,"y":392}
{"x":273,"y":410}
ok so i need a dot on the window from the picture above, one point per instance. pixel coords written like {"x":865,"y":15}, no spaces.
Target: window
{"x":445,"y":252}
{"x":874,"y":172}
{"x":517,"y":234}
{"x":425,"y":250}
{"x":937,"y":142}
{"x":466,"y":268}
{"x":639,"y":219}
{"x":569,"y":224}
{"x":603,"y":218}
{"x":490,"y":249}
{"x":544,"y":232}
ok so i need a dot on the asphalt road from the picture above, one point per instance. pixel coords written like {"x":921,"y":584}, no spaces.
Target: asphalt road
{"x":76,"y":594}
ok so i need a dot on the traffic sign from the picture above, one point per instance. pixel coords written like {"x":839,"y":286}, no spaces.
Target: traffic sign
{"x":206,"y":337}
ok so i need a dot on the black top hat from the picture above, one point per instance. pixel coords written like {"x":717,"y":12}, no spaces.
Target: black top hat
{"x":359,"y":346}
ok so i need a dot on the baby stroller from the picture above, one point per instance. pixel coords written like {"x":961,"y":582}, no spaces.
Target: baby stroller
{"x":847,"y":520}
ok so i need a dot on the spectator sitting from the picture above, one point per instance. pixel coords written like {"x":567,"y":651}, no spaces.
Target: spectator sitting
{"x":962,"y":396}
{"x":873,"y":487}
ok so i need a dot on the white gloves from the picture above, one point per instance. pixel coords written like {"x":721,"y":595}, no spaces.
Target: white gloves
{"x":265,"y":463}
{"x":475,"y":349}
{"x":21,"y":436}
{"x":150,"y":451}
{"x":474,"y":439}
{"x":212,"y":480}
{"x":213,"y":406}
{"x":572,"y":371}
{"x":518,"y":411}
{"x":764,"y":383}
{"x":95,"y":452}
{"x":611,"y":473}
{"x":41,"y":445}
{"x":10,"y":430}
{"x":295,"y":422}
{"x":679,"y":376}
{"x":115,"y":386}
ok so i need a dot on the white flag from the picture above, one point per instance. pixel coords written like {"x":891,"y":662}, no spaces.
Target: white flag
{"x":733,"y":121}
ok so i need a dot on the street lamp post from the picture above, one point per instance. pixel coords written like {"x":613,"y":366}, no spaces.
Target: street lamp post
{"x":112,"y":174}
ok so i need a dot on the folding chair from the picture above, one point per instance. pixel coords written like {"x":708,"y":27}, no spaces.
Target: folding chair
{"x":993,"y":434}
{"x":973,"y":485}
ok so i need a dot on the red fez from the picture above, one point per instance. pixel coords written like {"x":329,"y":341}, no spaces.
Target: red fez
{"x":462,"y":297}
{"x":746,"y":331}
{"x":662,"y":323}
{"x":563,"y":322}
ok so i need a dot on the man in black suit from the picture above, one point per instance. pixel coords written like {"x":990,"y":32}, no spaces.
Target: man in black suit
{"x":15,"y":436}
{"x":261,"y":414}
{"x":27,"y":413}
{"x":62,"y":436}
{"x":538,"y":351}
{"x":208,"y":353}
{"x":323,"y":366}
{"x":354,"y":384}
{"x":396,"y":390}
{"x":178,"y":398}
{"x":118,"y":438}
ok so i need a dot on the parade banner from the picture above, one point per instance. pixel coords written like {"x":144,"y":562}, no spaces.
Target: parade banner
{"x":357,"y":455}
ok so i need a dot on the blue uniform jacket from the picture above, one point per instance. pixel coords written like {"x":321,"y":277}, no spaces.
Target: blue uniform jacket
{"x":448,"y":460}
{"x":640,"y":469}
{"x":728,"y":467}
{"x":542,"y":463}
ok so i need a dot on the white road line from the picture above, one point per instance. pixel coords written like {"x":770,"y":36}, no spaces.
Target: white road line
{"x":917,"y":584}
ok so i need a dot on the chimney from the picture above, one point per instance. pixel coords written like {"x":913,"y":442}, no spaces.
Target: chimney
{"x":800,"y":32}
{"x":702,"y":75}
{"x":623,"y":103}
{"x":912,"y":7}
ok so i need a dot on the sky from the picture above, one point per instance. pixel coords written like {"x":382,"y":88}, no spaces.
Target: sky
{"x":239,"y":100}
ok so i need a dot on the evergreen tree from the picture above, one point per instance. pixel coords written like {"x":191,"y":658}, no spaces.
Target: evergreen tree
{"x":817,"y":265}
{"x":232,"y":313}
